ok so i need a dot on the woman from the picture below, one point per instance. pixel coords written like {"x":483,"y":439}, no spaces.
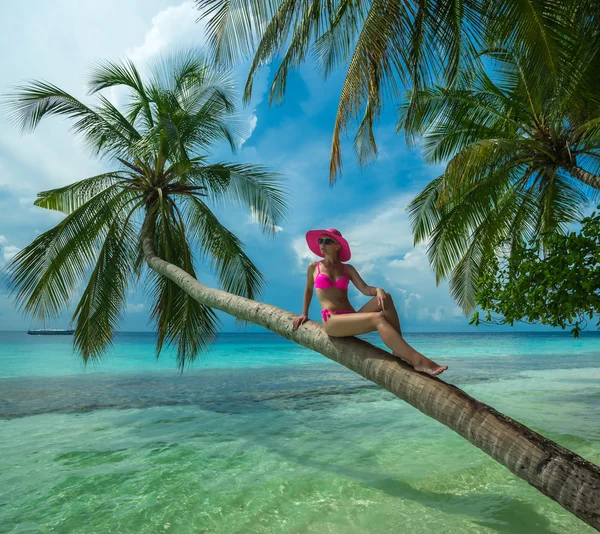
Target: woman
{"x":331,"y":278}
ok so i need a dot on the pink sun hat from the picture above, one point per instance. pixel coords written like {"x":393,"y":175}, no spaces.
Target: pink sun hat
{"x":312,"y":238}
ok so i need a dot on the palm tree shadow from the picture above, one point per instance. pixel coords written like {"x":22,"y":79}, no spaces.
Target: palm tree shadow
{"x":504,"y":514}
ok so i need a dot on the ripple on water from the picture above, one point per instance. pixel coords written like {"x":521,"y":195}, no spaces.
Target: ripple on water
{"x":295,"y":449}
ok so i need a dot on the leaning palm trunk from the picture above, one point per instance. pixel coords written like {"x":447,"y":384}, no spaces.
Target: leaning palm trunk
{"x":555,"y":471}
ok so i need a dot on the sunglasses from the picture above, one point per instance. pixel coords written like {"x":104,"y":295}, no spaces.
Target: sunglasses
{"x":325,"y":241}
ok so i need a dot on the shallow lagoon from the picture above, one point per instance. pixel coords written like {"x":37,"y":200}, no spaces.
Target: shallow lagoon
{"x":265,"y":436}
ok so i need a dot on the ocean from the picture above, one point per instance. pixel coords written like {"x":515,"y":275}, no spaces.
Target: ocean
{"x":263,"y":436}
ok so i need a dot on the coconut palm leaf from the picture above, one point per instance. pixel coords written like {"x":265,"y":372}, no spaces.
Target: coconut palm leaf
{"x":270,"y":43}
{"x":384,"y":42}
{"x":539,"y":26}
{"x":180,"y":320}
{"x":36,"y":100}
{"x":45,"y":275}
{"x":522,"y":157}
{"x":370,"y":71}
{"x":251,"y":186}
{"x":70,"y":197}
{"x":234,"y":25}
{"x":306,"y":28}
{"x":114,"y":73}
{"x":101,"y":305}
{"x":334,"y":45}
{"x":237,"y":274}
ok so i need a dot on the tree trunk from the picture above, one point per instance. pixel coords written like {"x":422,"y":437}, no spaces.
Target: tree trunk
{"x":593,"y":180}
{"x":555,"y":471}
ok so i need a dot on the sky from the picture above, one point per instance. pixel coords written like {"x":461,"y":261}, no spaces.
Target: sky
{"x":60,"y":41}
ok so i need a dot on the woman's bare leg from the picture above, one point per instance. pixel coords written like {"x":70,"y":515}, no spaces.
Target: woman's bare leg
{"x":391,"y":315}
{"x":354,"y":324}
{"x":390,"y":310}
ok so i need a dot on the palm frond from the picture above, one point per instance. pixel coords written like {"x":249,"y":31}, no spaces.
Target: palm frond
{"x":422,"y":212}
{"x":371,"y":68}
{"x":233,"y":26}
{"x":251,"y":186}
{"x":486,"y":238}
{"x":305,"y":30}
{"x":365,"y":145}
{"x":35,"y":100}
{"x":455,"y":118}
{"x":535,"y":25}
{"x":100,"y":308}
{"x":180,"y":320}
{"x":272,"y":40}
{"x":69,"y":198}
{"x":114,"y":73}
{"x":334,"y":45}
{"x":45,"y":275}
{"x":236,"y":272}
{"x":191,"y":80}
{"x":460,"y":216}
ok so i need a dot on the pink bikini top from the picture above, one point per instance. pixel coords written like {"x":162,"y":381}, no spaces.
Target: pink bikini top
{"x":322,"y":281}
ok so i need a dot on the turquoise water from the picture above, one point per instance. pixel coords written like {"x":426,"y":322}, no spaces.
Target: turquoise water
{"x":265,"y":436}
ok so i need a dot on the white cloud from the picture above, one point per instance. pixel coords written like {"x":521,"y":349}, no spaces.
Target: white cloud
{"x":173,"y":24}
{"x":252,"y":122}
{"x":382,"y":232}
{"x":135,"y":308}
{"x":440,"y":313}
{"x":411,"y":299}
{"x":367,"y":268}
{"x":7,"y":252}
{"x":413,"y":259}
{"x":303,"y":254}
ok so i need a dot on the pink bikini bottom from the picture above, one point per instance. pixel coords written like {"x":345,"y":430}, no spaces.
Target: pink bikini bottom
{"x":326,"y":313}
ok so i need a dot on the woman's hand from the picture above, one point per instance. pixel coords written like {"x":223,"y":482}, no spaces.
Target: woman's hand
{"x":300,"y":320}
{"x":381,"y":296}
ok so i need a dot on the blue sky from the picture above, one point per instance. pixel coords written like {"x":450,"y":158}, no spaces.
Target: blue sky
{"x":60,"y":41}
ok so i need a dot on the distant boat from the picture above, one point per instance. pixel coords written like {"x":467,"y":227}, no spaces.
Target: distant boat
{"x":50,"y":332}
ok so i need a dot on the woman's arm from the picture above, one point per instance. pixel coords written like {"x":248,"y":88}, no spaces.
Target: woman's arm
{"x":308,"y":293}
{"x":360,"y":284}
{"x":370,"y":291}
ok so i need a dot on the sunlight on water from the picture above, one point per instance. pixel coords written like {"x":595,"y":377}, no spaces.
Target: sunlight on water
{"x":291,"y":444}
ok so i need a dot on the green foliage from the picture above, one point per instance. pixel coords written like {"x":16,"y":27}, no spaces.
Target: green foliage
{"x":385,"y":46}
{"x":522,"y":147}
{"x":506,"y":93}
{"x":162,"y":180}
{"x":560,"y":287}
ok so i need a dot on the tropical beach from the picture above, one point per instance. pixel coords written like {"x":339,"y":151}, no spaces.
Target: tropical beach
{"x":300,"y":267}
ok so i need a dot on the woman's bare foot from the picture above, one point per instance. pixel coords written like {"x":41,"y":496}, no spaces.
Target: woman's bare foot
{"x":425,"y":365}
{"x":429,"y":367}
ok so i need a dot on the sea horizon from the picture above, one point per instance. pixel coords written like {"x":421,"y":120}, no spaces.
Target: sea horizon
{"x":486,"y":332}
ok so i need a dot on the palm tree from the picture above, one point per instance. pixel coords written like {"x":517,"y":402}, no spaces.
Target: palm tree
{"x":385,"y":45}
{"x":524,"y":157}
{"x":151,"y":209}
{"x":158,"y":195}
